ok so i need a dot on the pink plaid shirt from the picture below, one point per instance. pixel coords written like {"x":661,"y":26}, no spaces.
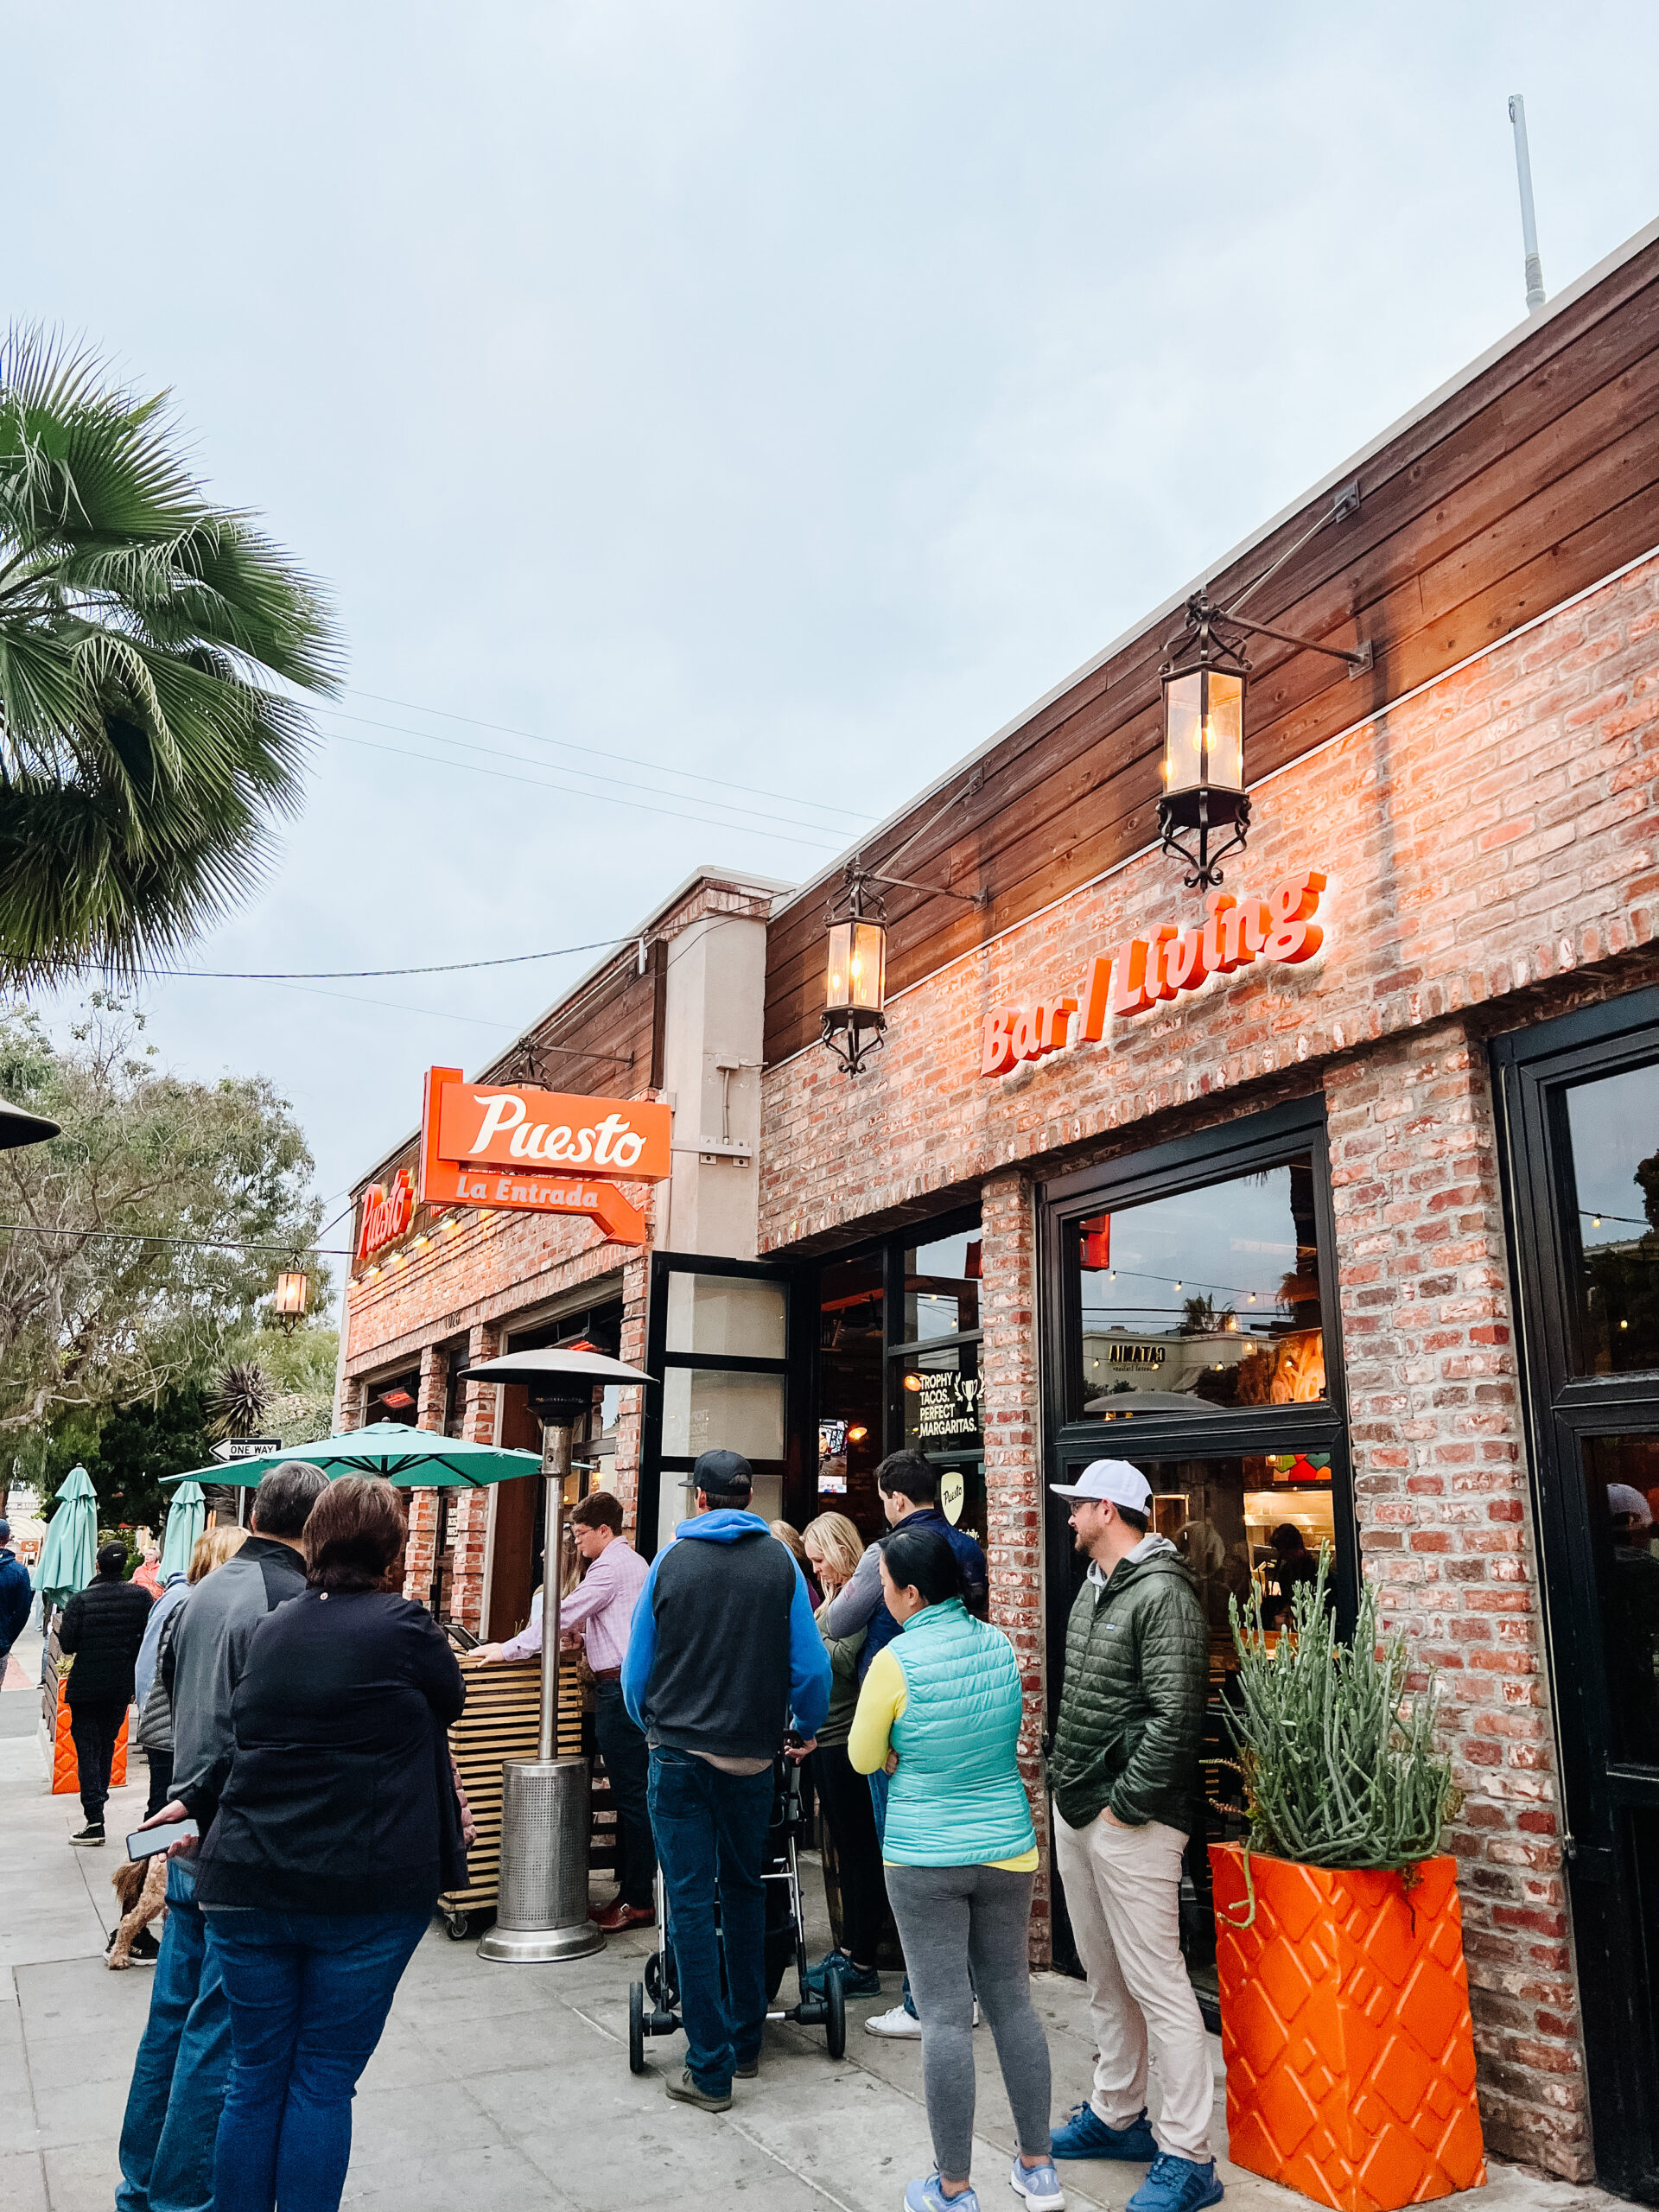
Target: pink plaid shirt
{"x":601,"y":1605}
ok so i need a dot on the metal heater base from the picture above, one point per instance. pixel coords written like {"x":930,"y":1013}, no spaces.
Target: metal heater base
{"x":541,"y":1915}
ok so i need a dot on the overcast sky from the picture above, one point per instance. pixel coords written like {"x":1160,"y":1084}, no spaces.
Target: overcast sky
{"x":778,"y":397}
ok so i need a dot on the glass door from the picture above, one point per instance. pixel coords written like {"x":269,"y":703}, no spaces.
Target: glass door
{"x":1580,"y":1102}
{"x":717,"y":1332}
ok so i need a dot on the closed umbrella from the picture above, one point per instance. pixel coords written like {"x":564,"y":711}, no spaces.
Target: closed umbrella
{"x":186,"y":1518}
{"x":414,"y":1459}
{"x":69,"y":1555}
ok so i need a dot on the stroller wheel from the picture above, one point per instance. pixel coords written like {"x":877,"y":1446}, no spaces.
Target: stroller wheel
{"x":654,"y":1977}
{"x":834,"y":2026}
{"x":636,"y":2027}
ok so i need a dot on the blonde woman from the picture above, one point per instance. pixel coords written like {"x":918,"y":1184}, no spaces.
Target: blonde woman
{"x":834,"y":1548}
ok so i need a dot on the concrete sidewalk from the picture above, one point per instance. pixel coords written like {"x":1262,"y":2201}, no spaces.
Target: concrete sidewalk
{"x":500,"y":2089}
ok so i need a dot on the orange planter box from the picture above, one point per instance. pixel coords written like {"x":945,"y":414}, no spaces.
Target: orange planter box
{"x":1345,"y":2022}
{"x":66,"y":1775}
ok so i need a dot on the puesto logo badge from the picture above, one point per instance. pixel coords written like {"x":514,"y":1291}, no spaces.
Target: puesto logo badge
{"x":386,"y":1213}
{"x":1143,"y":971}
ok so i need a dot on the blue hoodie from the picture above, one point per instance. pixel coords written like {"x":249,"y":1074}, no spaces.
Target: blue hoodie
{"x":723,"y":1644}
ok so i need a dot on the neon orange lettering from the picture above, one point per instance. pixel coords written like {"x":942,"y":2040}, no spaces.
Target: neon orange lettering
{"x":1157,"y":983}
{"x":1243,"y":932}
{"x":1294,"y":938}
{"x":997,"y":1056}
{"x":1023,"y":1037}
{"x":1129,"y":991}
{"x":1094,"y":1001}
{"x":1054,"y":1020}
{"x":1183,"y":967}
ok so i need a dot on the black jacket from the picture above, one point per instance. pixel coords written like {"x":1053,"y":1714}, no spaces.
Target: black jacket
{"x":340,"y":1797}
{"x":103,"y":1627}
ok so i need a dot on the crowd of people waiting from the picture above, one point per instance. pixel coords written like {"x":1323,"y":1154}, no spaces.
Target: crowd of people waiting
{"x":295,"y":1708}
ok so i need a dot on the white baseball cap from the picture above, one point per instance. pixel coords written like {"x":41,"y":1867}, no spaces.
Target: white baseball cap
{"x":1113,"y":1479}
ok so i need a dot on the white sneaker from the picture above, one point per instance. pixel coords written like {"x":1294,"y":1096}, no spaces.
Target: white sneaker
{"x":898,"y":2025}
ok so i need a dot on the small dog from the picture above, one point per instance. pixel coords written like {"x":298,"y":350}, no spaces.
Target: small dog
{"x":141,"y":1885}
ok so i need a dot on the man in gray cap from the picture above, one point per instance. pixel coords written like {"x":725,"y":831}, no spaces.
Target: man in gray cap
{"x":1125,"y":1776}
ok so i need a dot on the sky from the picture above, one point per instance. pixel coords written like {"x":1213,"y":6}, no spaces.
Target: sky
{"x":750,"y":405}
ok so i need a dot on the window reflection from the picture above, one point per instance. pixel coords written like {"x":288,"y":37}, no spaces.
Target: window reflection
{"x":851,"y":1381}
{"x":1204,"y":1299}
{"x":1613,"y":1134}
{"x":941,"y":1288}
{"x":1621,"y":1474}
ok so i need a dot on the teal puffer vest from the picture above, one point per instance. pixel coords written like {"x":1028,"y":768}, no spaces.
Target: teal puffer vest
{"x":957,"y":1799}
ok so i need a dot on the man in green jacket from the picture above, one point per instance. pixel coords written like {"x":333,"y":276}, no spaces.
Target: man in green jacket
{"x":1125,"y":1777}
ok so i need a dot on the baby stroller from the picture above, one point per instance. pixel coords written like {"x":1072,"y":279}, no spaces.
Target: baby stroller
{"x":653,"y":2002}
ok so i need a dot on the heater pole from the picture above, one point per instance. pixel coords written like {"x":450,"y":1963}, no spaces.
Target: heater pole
{"x":555,"y":1465}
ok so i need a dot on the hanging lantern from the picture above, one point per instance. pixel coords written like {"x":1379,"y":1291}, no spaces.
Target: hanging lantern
{"x":292,"y":1297}
{"x":1204,"y":682}
{"x":854,"y":985}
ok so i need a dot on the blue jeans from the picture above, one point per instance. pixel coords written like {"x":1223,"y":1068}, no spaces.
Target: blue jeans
{"x":309,"y":1993}
{"x":178,"y":2077}
{"x":710,"y":1830}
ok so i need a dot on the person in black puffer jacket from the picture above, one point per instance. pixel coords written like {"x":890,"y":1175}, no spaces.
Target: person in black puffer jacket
{"x":103,"y":1627}
{"x":336,"y":1830}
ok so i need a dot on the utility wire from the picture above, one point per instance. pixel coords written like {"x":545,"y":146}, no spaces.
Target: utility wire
{"x":203,"y":1244}
{"x":506,"y":729}
{"x":365,"y":974}
{"x":569,"y":791}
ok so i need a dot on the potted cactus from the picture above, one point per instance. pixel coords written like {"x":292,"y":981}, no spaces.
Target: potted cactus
{"x":1344,"y":1999}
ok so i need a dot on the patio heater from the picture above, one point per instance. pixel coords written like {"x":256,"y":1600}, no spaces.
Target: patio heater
{"x":543,"y":1910}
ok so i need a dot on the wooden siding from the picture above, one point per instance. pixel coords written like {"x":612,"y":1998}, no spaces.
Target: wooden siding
{"x":1526,"y":484}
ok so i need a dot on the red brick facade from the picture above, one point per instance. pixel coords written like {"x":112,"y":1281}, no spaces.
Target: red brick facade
{"x":1489,"y":850}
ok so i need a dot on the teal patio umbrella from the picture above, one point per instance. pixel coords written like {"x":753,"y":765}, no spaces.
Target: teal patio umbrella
{"x":185,"y":1519}
{"x":69,"y":1555}
{"x":414,"y":1459}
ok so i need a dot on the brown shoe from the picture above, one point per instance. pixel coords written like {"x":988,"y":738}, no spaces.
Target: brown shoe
{"x":615,"y":1917}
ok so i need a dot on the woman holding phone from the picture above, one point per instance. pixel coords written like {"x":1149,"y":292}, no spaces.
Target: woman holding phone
{"x":939,"y":1713}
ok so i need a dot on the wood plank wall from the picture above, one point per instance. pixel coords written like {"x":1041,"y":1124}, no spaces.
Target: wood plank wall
{"x":1531,"y":482}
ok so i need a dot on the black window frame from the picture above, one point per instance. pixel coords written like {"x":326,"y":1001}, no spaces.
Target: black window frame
{"x":1607,"y":1805}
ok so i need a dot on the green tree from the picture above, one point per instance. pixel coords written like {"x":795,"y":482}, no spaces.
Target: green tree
{"x":148,"y":1233}
{"x":151,"y":643}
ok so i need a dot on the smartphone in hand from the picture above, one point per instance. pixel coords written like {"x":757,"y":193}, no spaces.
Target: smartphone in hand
{"x":144,"y":1843}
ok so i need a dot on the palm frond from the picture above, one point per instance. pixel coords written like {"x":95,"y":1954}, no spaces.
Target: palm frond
{"x":152,"y":646}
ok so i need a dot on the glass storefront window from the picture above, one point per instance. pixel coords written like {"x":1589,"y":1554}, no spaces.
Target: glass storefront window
{"x":1622,"y":1478}
{"x":703,"y":1408}
{"x":1613,"y":1137}
{"x":1205,"y":1299}
{"x":941,"y":1288}
{"x":852,"y":1349}
{"x":726,"y":1313}
{"x":940,"y":1408}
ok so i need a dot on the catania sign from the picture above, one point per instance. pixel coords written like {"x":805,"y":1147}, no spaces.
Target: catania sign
{"x":518,"y":1148}
{"x":1144,"y":971}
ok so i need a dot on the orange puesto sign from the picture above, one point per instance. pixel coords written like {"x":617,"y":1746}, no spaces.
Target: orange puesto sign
{"x":1143,"y":971}
{"x":510,"y":1147}
{"x":386,"y":1213}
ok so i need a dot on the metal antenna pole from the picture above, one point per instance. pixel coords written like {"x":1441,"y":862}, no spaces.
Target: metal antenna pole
{"x":1528,"y":220}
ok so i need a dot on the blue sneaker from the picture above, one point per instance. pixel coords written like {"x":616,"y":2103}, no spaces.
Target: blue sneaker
{"x":928,"y":2196}
{"x":1084,"y":2134}
{"x":1178,"y":2185}
{"x":855,"y":1981}
{"x":1038,"y":2185}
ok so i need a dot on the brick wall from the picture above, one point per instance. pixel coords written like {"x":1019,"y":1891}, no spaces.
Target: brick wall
{"x":1490,"y":849}
{"x":1442,"y":1500}
{"x":1014,"y":1545}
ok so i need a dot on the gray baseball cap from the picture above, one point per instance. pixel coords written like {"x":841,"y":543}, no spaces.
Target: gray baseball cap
{"x":1109,"y":1478}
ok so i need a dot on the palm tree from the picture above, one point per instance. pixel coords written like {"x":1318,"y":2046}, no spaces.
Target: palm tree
{"x":151,"y":648}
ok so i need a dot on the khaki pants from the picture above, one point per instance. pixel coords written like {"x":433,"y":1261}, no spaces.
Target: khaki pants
{"x":1122,"y":1892}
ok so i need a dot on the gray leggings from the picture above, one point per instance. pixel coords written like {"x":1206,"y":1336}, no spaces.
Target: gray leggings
{"x":952,"y":1918}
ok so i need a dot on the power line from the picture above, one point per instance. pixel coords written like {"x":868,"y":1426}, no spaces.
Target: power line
{"x":366,"y":975}
{"x":298,"y":1245}
{"x":506,"y":729}
{"x":568,"y":790}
